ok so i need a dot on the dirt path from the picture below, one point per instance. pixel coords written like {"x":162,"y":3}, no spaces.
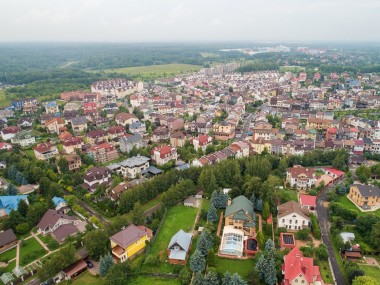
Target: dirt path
{"x":40,"y":242}
{"x":18,"y":254}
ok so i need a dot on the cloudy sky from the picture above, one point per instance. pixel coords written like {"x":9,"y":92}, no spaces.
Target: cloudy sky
{"x":189,"y":20}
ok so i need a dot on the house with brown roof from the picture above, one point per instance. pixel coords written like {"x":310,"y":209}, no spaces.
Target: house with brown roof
{"x":96,"y":136}
{"x":125,"y":119}
{"x":96,"y":176}
{"x":178,"y":139}
{"x":224,"y":131}
{"x":60,"y":226}
{"x":161,"y":134}
{"x":55,"y":125}
{"x":104,"y":152}
{"x":45,"y":151}
{"x":71,"y":144}
{"x":301,"y":177}
{"x":365,"y":196}
{"x":293,"y":216}
{"x":129,"y":242}
{"x":73,"y":160}
{"x":8,"y":240}
{"x":9,"y":132}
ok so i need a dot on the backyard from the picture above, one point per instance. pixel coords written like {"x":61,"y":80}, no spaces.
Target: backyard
{"x":8,"y":255}
{"x":346,"y":203}
{"x":30,"y":250}
{"x":243,"y":267}
{"x":372,"y":271}
{"x":178,"y":217}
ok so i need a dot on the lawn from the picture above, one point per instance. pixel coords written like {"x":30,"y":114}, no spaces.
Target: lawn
{"x":242,"y":267}
{"x":288,"y":195}
{"x":346,"y":203}
{"x":9,"y":268}
{"x":8,"y":255}
{"x":30,"y":251}
{"x":156,"y":71}
{"x":148,"y":280}
{"x":372,"y":271}
{"x":178,"y":217}
{"x":87,"y":278}
{"x":324,"y":268}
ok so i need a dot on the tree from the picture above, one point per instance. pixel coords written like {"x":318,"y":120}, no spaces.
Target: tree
{"x":106,"y":262}
{"x":212,"y":215}
{"x":260,"y":239}
{"x":227,"y":279}
{"x":97,"y":243}
{"x":253,"y":187}
{"x":237,"y":280}
{"x":211,"y":278}
{"x":364,"y":280}
{"x":223,"y":198}
{"x":266,"y":265}
{"x":198,"y":279}
{"x":138,"y":217}
{"x":63,"y":165}
{"x":363,"y":173}
{"x":12,"y":189}
{"x":118,"y":273}
{"x":321,"y":252}
{"x":205,"y":242}
{"x":214,"y":198}
{"x":266,"y":211}
{"x":197,"y":262}
{"x":259,"y":205}
{"x":375,"y":235}
{"x":207,"y":180}
{"x":22,"y":208}
{"x":22,"y":228}
{"x":302,"y":234}
{"x":184,"y":276}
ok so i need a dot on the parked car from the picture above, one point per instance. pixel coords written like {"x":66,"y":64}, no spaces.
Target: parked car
{"x":89,"y":264}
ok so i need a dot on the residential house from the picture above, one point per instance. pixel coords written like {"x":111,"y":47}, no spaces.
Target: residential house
{"x":71,"y":144}
{"x":73,"y":160}
{"x":178,"y":139}
{"x":201,"y":142}
{"x":51,"y":107}
{"x":125,"y":119}
{"x":137,"y":128}
{"x":321,"y":124}
{"x":163,"y":154}
{"x":103,"y":152}
{"x":7,"y":240}
{"x":96,"y":176}
{"x":55,"y":125}
{"x":5,"y":146}
{"x":293,"y":216}
{"x":308,"y":202}
{"x":24,"y":139}
{"x":160,"y":134}
{"x":365,"y":196}
{"x":116,"y":192}
{"x":134,"y":166}
{"x":241,"y":149}
{"x":175,"y":124}
{"x":224,"y":131}
{"x":115,"y":132}
{"x":45,"y":151}
{"x":60,"y":226}
{"x":60,"y":205}
{"x":129,"y":242}
{"x":301,"y":177}
{"x":298,"y":269}
{"x":179,"y":247}
{"x":239,"y":214}
{"x":9,"y":132}
{"x":97,"y":136}
{"x":127,"y":143}
{"x":79,"y":124}
{"x":25,"y":123}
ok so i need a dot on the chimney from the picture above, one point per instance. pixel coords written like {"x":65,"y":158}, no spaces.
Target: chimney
{"x":229,"y":201}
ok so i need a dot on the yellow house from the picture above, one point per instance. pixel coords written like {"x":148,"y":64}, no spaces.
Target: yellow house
{"x":364,"y":195}
{"x":260,"y":145}
{"x":129,"y":241}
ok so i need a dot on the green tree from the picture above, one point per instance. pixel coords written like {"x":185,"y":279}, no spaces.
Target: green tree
{"x":205,"y":242}
{"x":63,"y":165}
{"x":375,"y":235}
{"x":211,"y":278}
{"x":236,"y":279}
{"x":12,"y":189}
{"x":118,"y":273}
{"x":138,"y":217}
{"x":266,"y":211}
{"x":106,"y":262}
{"x":363,"y":173}
{"x":365,"y":280}
{"x":97,"y":243}
{"x":22,"y":208}
{"x":197,"y":262}
{"x":260,"y":239}
{"x":321,"y":252}
{"x":184,"y":276}
{"x":212,"y":215}
{"x":266,"y":265}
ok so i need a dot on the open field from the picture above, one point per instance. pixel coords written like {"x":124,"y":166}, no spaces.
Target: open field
{"x":242,"y":267}
{"x":156,"y":71}
{"x":8,"y":255}
{"x":148,"y":280}
{"x":346,"y":203}
{"x":372,"y":271}
{"x":3,"y":100}
{"x":86,"y":278}
{"x":292,"y":68}
{"x":30,"y":251}
{"x":178,"y":217}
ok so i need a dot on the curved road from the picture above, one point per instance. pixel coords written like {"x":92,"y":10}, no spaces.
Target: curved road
{"x":323,"y":219}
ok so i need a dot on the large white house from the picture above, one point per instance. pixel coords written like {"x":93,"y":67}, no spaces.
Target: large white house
{"x":293,"y":216}
{"x":301,"y":177}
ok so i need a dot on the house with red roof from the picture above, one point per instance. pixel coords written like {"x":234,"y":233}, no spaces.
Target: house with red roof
{"x":90,"y":108}
{"x":125,"y":119}
{"x":334,"y":173}
{"x":5,"y":146}
{"x":358,"y":147}
{"x":103,"y":152}
{"x":298,"y":269}
{"x":71,"y":143}
{"x":331,"y":133}
{"x":45,"y":151}
{"x":308,"y":202}
{"x":202,"y":141}
{"x":9,"y":132}
{"x":163,"y":154}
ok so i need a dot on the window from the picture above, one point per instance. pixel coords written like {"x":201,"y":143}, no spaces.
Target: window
{"x":283,"y":220}
{"x":296,"y":221}
{"x":290,"y":221}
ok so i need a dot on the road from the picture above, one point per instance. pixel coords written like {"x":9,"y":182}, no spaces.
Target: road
{"x":246,"y":127}
{"x":323,"y":219}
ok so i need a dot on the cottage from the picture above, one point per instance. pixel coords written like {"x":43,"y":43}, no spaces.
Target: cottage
{"x":45,"y":151}
{"x":7,"y":240}
{"x":301,"y":177}
{"x":96,"y":176}
{"x":292,"y":216}
{"x":163,"y":154}
{"x":365,"y":196}
{"x":179,"y":247}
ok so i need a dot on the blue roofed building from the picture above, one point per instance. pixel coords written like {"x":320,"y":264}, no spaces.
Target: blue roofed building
{"x":60,"y":204}
{"x":9,"y":203}
{"x":51,"y":107}
{"x":179,"y":247}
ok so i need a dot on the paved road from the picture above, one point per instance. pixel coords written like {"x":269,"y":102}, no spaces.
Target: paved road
{"x":324,"y":223}
{"x":246,"y":127}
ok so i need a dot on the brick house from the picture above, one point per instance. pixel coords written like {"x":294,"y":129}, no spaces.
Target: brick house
{"x":163,"y":154}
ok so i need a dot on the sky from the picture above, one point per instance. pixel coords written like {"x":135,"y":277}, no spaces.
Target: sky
{"x":189,"y":20}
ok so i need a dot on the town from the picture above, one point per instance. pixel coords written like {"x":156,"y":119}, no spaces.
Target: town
{"x":212,"y":177}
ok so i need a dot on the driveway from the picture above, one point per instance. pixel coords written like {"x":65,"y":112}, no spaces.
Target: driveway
{"x":324,"y":223}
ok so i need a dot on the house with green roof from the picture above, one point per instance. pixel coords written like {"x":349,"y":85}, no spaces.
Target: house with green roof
{"x":239,"y":214}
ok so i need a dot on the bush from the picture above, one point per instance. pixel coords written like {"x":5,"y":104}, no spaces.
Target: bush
{"x":303,"y":234}
{"x":152,"y":260}
{"x":321,"y":252}
{"x":52,"y":244}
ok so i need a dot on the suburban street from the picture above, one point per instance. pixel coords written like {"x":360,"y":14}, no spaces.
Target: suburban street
{"x":324,"y":224}
{"x":247,"y":122}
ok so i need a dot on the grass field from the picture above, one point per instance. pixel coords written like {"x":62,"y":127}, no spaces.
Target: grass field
{"x":178,"y":217}
{"x":288,"y":195}
{"x":148,"y":280}
{"x":325,"y":272}
{"x":3,"y":100}
{"x":346,"y":203}
{"x":87,"y":278}
{"x":156,"y":71}
{"x":8,"y":255}
{"x":242,"y":267}
{"x":372,"y":271}
{"x":292,"y":68}
{"x":9,"y":268}
{"x":30,"y":251}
